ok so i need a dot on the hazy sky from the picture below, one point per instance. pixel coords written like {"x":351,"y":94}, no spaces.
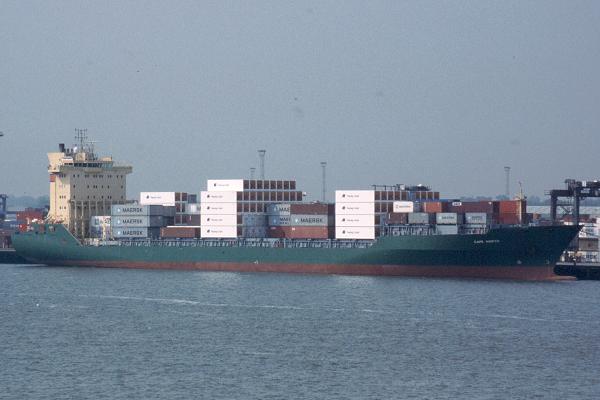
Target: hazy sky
{"x":444,"y":92}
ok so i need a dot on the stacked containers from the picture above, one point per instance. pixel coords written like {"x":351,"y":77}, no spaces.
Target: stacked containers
{"x":251,"y":200}
{"x":510,"y":212}
{"x":300,"y":221}
{"x":139,"y":221}
{"x":218,"y":213}
{"x":355,"y":214}
{"x":448,"y":222}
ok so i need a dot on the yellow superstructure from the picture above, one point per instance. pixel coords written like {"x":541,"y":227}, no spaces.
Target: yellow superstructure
{"x":83,"y":185}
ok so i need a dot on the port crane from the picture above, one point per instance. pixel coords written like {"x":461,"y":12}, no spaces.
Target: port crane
{"x":575,"y":190}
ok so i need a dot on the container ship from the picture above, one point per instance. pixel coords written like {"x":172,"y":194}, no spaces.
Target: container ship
{"x":259,"y":225}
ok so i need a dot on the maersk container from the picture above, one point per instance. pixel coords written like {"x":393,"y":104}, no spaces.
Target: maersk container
{"x":139,"y":221}
{"x":218,"y":231}
{"x":278,"y":209}
{"x":218,"y":208}
{"x":355,"y":232}
{"x":133,"y":233}
{"x":309,"y":220}
{"x":476,"y":218}
{"x":218,"y":220}
{"x":225,"y":185}
{"x":354,"y":220}
{"x":449,"y":218}
{"x":447,"y":229}
{"x":283,"y":220}
{"x":137,"y":209}
{"x":354,"y":196}
{"x":355,"y":208}
{"x":218,"y":197}
{"x":419,"y":218}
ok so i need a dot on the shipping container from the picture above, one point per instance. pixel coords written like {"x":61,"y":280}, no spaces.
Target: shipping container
{"x":354,"y":196}
{"x":354,"y":220}
{"x":433,"y":207}
{"x":133,"y":233}
{"x":157,"y":198}
{"x":354,"y":208}
{"x":396,"y":219}
{"x":218,"y":220}
{"x":476,"y":218}
{"x":447,"y":229}
{"x":309,"y":209}
{"x":486,"y":207}
{"x":278,"y":209}
{"x":218,"y":208}
{"x":309,"y":220}
{"x":30,"y":214}
{"x":183,"y":232}
{"x":508,"y":219}
{"x":300,"y":232}
{"x":275,"y":220}
{"x":403,"y":207}
{"x":141,"y":221}
{"x":449,"y":218}
{"x":219,"y":231}
{"x":355,"y":232}
{"x":137,"y":209}
{"x":225,"y":185}
{"x":218,"y":197}
{"x":420,"y":218}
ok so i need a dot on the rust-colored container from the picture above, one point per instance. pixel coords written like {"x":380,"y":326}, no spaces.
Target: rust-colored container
{"x":472,"y":207}
{"x":309,"y":209}
{"x":300,"y":232}
{"x":397,"y":218}
{"x":435,"y":206}
{"x":182,"y":232}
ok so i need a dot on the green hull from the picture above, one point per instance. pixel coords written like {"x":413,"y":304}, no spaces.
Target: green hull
{"x":515,"y":253}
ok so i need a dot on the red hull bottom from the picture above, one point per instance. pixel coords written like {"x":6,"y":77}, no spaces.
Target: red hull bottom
{"x":542,"y":272}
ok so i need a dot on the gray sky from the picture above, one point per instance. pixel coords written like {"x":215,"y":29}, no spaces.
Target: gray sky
{"x":442,"y":93}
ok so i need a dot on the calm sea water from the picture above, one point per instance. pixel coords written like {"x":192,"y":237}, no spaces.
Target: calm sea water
{"x":86,"y":333}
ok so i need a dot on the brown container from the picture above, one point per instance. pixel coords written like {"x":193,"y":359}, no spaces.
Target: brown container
{"x":472,"y":206}
{"x":30,"y":214}
{"x":183,"y":232}
{"x":435,"y":206}
{"x":300,"y":232}
{"x":397,"y":218}
{"x":309,"y":209}
{"x":508,"y":219}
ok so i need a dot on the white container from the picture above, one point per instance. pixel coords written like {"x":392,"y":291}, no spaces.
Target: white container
{"x":225,"y":185}
{"x":354,"y":196}
{"x":218,"y":220}
{"x":404,"y":206}
{"x":476,"y":218}
{"x":354,"y":208}
{"x":355,"y":232}
{"x":448,"y":218}
{"x":218,"y":208}
{"x":157,"y":198}
{"x":218,"y":231}
{"x":355,"y":220}
{"x":217,"y":197}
